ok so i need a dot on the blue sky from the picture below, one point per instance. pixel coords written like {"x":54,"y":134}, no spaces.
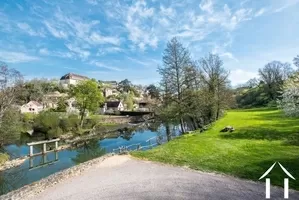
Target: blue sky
{"x":118,"y":39}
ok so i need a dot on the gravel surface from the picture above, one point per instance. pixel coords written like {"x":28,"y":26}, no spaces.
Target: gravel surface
{"x":122,"y":177}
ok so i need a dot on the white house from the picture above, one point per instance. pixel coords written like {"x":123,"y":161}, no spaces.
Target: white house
{"x":32,"y":107}
{"x":71,"y":79}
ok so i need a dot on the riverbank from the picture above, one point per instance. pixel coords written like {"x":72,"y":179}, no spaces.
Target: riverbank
{"x":39,"y":186}
{"x":13,"y":163}
{"x":69,"y":141}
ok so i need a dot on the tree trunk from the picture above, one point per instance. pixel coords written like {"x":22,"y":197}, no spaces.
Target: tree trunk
{"x":82,"y":118}
{"x":168,"y":133}
{"x":182,"y":125}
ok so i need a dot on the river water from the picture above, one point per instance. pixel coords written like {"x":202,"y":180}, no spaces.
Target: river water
{"x":42,"y":166}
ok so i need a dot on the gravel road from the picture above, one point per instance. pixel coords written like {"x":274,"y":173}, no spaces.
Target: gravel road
{"x":122,"y":177}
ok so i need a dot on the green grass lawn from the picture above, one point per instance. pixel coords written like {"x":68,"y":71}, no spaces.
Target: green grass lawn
{"x":262,"y":137}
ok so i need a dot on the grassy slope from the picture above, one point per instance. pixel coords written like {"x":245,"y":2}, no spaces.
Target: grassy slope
{"x":262,"y":137}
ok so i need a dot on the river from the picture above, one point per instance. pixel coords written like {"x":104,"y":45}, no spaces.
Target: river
{"x":39,"y":167}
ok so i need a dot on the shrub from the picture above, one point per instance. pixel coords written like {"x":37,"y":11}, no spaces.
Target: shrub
{"x":54,"y":133}
{"x":90,"y":123}
{"x":47,"y":122}
{"x":3,"y":158}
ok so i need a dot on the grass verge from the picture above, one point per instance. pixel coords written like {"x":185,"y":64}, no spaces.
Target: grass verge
{"x":262,"y":137}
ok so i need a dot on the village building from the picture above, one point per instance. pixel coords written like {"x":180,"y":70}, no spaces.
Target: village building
{"x":51,"y":99}
{"x":71,"y":79}
{"x":112,"y":106}
{"x":32,"y":107}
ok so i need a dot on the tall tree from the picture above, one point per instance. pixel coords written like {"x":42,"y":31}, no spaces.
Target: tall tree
{"x":88,"y":97}
{"x":10,"y":81}
{"x":175,"y":60}
{"x":215,"y":82}
{"x":273,"y":76}
{"x":296,"y":61}
{"x":125,"y":85}
{"x":153,"y":91}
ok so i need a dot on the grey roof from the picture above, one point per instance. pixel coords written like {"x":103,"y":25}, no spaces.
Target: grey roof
{"x":73,"y":76}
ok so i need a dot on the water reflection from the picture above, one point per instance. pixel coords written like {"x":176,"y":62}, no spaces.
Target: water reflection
{"x":43,"y":161}
{"x":42,"y":166}
{"x":90,"y":150}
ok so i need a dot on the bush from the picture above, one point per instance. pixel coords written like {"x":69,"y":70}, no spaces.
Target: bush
{"x":90,"y":123}
{"x":71,"y":123}
{"x":48,"y":123}
{"x":54,"y":133}
{"x":11,"y":126}
{"x":3,"y":158}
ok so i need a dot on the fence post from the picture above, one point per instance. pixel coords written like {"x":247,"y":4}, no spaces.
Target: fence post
{"x":56,"y":145}
{"x":30,"y":150}
{"x":44,"y":148}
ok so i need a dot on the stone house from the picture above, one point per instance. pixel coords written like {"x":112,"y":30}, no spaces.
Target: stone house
{"x":71,"y":79}
{"x":32,"y":107}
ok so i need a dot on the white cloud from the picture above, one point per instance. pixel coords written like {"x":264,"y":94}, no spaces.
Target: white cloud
{"x":240,"y":76}
{"x":55,"y":31}
{"x":287,"y":4}
{"x":92,"y":2}
{"x":80,"y":52}
{"x":260,"y":12}
{"x":44,"y":51}
{"x":229,"y":55}
{"x":108,"y":50}
{"x":103,"y":65}
{"x":26,"y":28}
{"x":16,"y":57}
{"x":206,"y":5}
{"x":96,"y":38}
{"x":20,"y":7}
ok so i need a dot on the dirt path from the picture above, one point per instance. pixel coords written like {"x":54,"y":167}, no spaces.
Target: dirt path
{"x":122,"y":177}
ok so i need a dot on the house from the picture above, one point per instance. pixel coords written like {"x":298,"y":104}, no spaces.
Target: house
{"x":111,"y":84}
{"x":71,"y":79}
{"x":51,"y":99}
{"x":112,"y":106}
{"x":143,"y":106}
{"x":32,"y":107}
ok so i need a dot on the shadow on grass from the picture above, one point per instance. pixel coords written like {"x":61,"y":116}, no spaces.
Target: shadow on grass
{"x":252,"y":133}
{"x":255,"y":109}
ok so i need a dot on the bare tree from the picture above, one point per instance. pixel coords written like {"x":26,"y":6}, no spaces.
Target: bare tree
{"x":10,"y":80}
{"x":273,"y":76}
{"x":9,"y":87}
{"x":215,"y":80}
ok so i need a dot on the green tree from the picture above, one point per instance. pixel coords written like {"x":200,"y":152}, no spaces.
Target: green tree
{"x":153,"y":91}
{"x":273,"y":75}
{"x":129,"y":101}
{"x":175,"y":60}
{"x":11,"y":126}
{"x":61,"y":105}
{"x":215,"y":82}
{"x":125,"y":85}
{"x":88,"y":97}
